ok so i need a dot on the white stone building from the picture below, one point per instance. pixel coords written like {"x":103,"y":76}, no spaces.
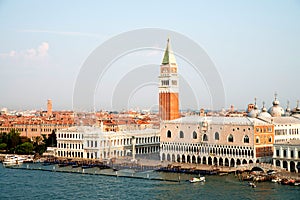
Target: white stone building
{"x":287,"y":155}
{"x":93,"y":143}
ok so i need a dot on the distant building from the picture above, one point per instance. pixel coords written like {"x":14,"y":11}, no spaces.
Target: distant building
{"x":36,"y":125}
{"x":49,"y":108}
{"x":287,"y":155}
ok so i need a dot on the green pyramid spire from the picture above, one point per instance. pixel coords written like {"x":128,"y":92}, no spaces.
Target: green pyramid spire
{"x":168,"y":56}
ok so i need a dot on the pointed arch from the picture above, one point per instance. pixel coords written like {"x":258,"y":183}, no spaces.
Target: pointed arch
{"x":230,"y":138}
{"x":246,"y":139}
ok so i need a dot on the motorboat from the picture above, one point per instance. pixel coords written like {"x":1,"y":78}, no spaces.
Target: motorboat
{"x":196,"y":179}
{"x":252,"y":184}
{"x":11,"y":160}
{"x":276,"y":180}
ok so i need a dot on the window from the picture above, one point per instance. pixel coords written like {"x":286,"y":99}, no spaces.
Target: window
{"x":169,"y":134}
{"x":181,"y":134}
{"x":277,"y":152}
{"x":270,"y":129}
{"x":270,"y":139}
{"x":95,"y":143}
{"x":246,"y":139}
{"x":292,"y":154}
{"x":205,"y":138}
{"x":257,"y":140}
{"x":284,"y":153}
{"x":230,"y":138}
{"x":217,"y":136}
{"x":194,"y":135}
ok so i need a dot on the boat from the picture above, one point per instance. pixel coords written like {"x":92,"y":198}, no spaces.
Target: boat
{"x":252,"y":184}
{"x":11,"y":160}
{"x":195,"y":179}
{"x":276,"y":180}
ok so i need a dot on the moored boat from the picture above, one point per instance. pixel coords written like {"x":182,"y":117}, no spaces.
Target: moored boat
{"x":251,"y":184}
{"x":195,"y":179}
{"x":11,"y":160}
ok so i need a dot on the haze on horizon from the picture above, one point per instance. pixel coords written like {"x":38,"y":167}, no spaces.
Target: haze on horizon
{"x":255,"y":47}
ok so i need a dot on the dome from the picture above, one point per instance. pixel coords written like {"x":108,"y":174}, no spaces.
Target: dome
{"x":297,"y":109}
{"x":253,"y":113}
{"x":264,"y":114}
{"x":276,"y":111}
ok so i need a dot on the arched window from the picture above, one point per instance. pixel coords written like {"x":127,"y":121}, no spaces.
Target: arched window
{"x":257,"y":140}
{"x":181,"y":134}
{"x":169,"y":134}
{"x":230,"y":138}
{"x":270,"y":139}
{"x":205,"y":138}
{"x":217,"y":136}
{"x":194,"y":135}
{"x":246,"y":139}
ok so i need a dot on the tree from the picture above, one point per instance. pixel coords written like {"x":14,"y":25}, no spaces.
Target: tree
{"x":51,"y":140}
{"x":25,"y":148}
{"x":3,"y":146}
{"x":12,"y":140}
{"x":39,"y":144}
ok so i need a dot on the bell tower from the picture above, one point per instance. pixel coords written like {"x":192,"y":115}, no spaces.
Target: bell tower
{"x":168,"y":86}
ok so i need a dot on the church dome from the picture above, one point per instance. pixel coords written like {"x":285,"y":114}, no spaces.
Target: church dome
{"x":253,"y":113}
{"x":276,"y":110}
{"x":264,"y":113}
{"x":297,"y":109}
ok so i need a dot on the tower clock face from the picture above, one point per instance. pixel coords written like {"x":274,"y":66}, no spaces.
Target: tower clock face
{"x":164,"y":70}
{"x":174,"y":70}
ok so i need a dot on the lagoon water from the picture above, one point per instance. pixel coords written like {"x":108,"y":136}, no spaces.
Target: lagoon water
{"x":35,"y":184}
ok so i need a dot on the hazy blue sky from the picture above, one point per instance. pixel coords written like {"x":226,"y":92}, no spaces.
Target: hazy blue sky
{"x":255,"y":46}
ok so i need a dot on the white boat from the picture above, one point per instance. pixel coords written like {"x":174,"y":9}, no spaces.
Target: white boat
{"x":195,"y":179}
{"x":252,"y":184}
{"x":11,"y":160}
{"x":276,"y":180}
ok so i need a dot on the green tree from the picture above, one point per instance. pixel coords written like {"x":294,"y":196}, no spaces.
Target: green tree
{"x":3,"y":146}
{"x":51,"y":140}
{"x":40,"y":149}
{"x":13,"y":140}
{"x":39,"y":144}
{"x":25,"y":148}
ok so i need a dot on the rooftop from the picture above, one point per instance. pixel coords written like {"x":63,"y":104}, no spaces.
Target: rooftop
{"x":219,"y":120}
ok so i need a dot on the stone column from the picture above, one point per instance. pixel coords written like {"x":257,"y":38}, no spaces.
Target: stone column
{"x":281,"y":164}
{"x":281,"y":152}
{"x":133,"y":147}
{"x":288,"y":166}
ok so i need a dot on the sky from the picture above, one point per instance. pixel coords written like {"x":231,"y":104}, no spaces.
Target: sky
{"x":254,"y":45}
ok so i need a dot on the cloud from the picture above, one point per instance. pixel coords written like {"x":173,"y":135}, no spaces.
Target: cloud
{"x":32,"y":53}
{"x":43,"y":49}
